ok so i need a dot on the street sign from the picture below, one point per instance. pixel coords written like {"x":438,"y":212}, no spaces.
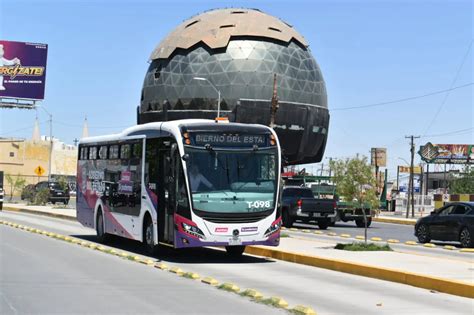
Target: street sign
{"x":39,"y":171}
{"x":378,"y":157}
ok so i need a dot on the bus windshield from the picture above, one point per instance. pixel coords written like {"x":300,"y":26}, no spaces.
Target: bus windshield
{"x":232,"y":182}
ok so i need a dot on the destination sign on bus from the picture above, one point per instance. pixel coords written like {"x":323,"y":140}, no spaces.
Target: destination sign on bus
{"x":226,"y":140}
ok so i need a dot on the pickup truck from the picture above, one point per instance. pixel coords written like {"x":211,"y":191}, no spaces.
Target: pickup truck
{"x":299,"y":203}
{"x":348,"y":211}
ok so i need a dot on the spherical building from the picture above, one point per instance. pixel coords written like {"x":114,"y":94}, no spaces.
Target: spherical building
{"x":234,"y":54}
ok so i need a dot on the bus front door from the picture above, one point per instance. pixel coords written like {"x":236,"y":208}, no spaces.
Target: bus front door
{"x":168,"y":193}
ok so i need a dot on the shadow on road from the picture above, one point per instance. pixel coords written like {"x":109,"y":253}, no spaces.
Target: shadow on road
{"x":200,"y":255}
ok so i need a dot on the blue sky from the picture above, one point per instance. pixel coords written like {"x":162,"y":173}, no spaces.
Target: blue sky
{"x":369,"y":52}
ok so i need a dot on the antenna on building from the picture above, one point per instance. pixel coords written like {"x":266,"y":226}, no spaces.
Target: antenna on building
{"x":85,"y":129}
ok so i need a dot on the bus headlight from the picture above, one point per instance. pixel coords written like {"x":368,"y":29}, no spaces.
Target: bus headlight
{"x":192,"y":230}
{"x":274,"y":227}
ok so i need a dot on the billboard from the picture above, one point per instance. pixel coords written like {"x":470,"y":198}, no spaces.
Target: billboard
{"x":447,"y":153}
{"x":22,"y":70}
{"x":378,"y":157}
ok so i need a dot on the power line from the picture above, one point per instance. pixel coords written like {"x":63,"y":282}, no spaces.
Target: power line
{"x":24,"y":128}
{"x":95,"y":127}
{"x":403,"y":99}
{"x":452,"y":84}
{"x":461,"y":131}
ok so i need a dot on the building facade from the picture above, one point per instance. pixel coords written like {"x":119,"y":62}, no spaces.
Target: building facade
{"x":20,"y":157}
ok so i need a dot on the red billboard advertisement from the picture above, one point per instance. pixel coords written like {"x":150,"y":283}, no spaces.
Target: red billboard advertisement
{"x":22,"y":70}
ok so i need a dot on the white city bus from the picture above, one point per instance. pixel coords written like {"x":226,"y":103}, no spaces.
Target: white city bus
{"x":184,"y":183}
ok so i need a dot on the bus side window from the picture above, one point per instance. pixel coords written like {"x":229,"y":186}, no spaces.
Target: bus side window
{"x":92,"y":153}
{"x":103,"y":152}
{"x":151,"y":165}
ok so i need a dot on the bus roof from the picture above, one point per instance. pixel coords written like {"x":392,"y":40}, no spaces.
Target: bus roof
{"x":172,"y":127}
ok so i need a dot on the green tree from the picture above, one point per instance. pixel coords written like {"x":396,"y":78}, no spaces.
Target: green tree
{"x":355,"y":182}
{"x":464,"y":184}
{"x":16,"y":183}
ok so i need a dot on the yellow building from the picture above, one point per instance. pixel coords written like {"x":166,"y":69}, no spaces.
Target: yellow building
{"x":22,"y":157}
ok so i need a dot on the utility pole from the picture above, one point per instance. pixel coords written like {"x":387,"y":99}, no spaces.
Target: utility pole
{"x":398,"y":178}
{"x":411,"y":180}
{"x":50,"y":140}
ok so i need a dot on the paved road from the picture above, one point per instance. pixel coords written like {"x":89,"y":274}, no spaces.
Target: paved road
{"x":42,"y":275}
{"x":328,"y":292}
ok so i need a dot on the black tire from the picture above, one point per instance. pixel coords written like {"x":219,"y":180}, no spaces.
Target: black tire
{"x":235,"y":251}
{"x":465,"y":238}
{"x":369,"y":221}
{"x":148,"y":237}
{"x":323,"y":225}
{"x":287,"y":220}
{"x":66,"y":201}
{"x":423,"y":233}
{"x":360,"y":222}
{"x":102,"y":237}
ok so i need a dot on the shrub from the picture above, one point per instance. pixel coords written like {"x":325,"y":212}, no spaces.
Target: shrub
{"x":360,"y":247}
{"x":41,"y":197}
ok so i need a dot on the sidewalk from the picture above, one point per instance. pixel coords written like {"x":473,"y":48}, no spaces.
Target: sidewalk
{"x":392,"y":217}
{"x":441,"y":274}
{"x":52,"y":211}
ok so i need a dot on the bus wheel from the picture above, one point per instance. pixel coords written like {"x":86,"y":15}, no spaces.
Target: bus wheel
{"x":100,"y":228}
{"x":235,"y":251}
{"x":148,"y":237}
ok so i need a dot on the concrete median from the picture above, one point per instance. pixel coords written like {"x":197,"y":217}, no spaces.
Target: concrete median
{"x":421,"y":281}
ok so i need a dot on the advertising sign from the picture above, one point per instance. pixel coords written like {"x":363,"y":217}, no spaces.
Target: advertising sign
{"x":447,"y":153}
{"x":229,"y":139}
{"x":406,"y":169}
{"x":22,"y":70}
{"x":378,"y":157}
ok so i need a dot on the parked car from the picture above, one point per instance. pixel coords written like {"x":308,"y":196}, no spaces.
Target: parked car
{"x":453,"y":222}
{"x":299,"y":203}
{"x":56,"y":192}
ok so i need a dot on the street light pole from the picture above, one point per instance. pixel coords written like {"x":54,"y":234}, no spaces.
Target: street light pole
{"x":215,"y":89}
{"x":50,"y":139}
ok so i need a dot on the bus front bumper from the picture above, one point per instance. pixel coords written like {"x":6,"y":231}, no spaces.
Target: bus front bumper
{"x":184,"y":240}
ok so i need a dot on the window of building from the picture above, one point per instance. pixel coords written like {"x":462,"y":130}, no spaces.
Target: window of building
{"x":12,"y":154}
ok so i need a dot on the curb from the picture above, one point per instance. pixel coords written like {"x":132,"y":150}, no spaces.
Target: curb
{"x":394,"y":221}
{"x":47,"y":214}
{"x":417,"y":280}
